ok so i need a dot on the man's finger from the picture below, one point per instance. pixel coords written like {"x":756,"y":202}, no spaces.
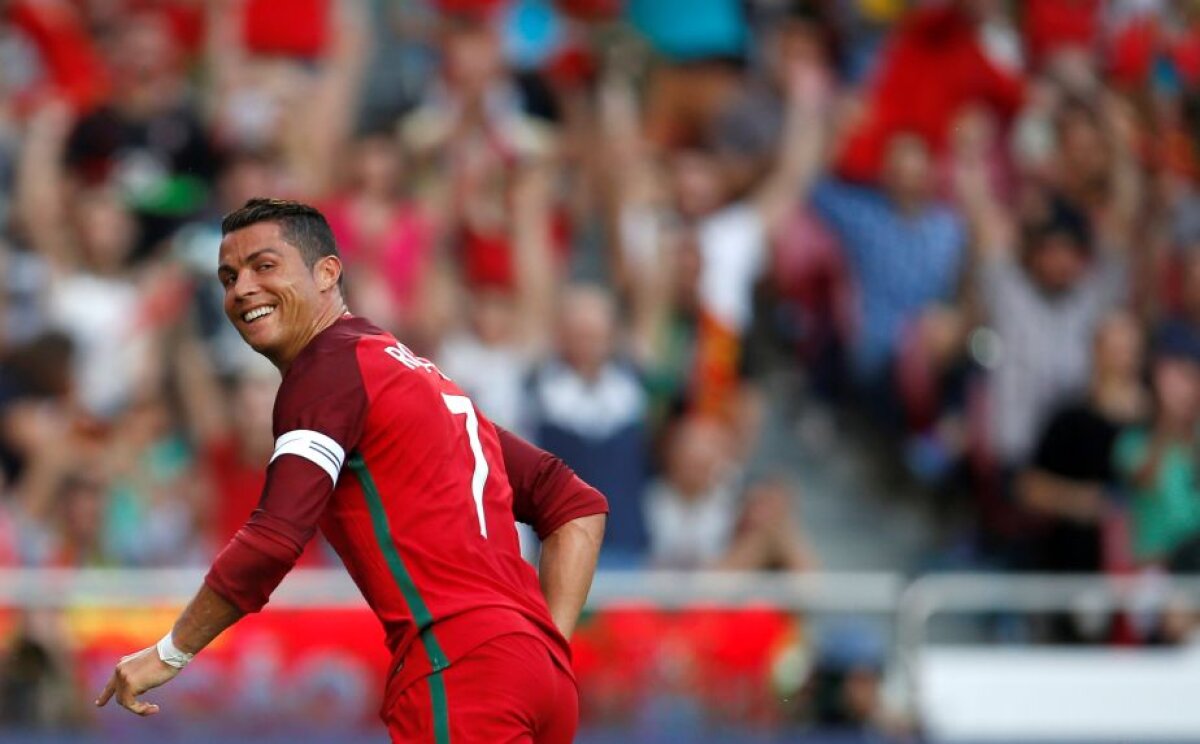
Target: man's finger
{"x":143,"y":709}
{"x":109,"y":689}
{"x":127,"y":699}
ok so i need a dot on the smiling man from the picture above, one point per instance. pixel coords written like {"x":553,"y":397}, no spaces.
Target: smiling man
{"x":415,"y":489}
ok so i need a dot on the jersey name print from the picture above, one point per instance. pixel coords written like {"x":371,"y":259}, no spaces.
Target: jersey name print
{"x":405,"y":356}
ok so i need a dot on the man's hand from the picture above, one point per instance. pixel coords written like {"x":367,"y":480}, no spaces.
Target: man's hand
{"x":134,"y":675}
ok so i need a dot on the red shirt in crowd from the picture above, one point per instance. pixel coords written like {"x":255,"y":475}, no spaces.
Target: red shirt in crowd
{"x":932,"y":69}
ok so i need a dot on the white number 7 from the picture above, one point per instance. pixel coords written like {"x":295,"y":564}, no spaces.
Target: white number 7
{"x":462,"y":404}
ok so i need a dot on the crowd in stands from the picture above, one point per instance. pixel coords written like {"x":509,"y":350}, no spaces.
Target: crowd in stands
{"x":973,"y":223}
{"x":491,"y":173}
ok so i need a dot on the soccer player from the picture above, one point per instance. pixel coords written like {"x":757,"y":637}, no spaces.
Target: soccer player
{"x":417,"y":492}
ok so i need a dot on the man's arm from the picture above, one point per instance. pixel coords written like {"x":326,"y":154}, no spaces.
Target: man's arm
{"x":803,"y":146}
{"x":205,"y":618}
{"x":993,"y":232}
{"x":1119,"y":220}
{"x":567,"y":566}
{"x":240,"y":581}
{"x":1048,"y":493}
{"x":569,"y":517}
{"x":320,"y":409}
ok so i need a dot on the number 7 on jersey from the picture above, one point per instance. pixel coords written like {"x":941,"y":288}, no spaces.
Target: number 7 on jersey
{"x":461,"y":404}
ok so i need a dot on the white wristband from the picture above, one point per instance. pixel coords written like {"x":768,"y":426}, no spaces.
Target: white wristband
{"x":172,"y":656}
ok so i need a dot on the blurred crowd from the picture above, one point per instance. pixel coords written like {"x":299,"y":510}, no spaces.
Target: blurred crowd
{"x":526,"y":193}
{"x":973,"y":224}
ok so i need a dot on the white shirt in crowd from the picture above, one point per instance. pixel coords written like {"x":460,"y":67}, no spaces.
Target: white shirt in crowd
{"x":733,"y":251}
{"x":689,"y":533}
{"x":593,"y":409}
{"x":103,"y":317}
{"x":493,"y":377}
{"x":1046,"y":344}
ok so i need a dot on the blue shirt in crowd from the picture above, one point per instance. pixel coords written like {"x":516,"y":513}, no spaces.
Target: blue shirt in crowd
{"x":901,"y":263}
{"x":598,"y":428}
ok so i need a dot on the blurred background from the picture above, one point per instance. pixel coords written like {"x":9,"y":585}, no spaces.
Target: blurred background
{"x":878,"y":323}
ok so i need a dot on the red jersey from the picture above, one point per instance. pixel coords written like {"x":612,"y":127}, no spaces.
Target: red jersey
{"x":410,"y":485}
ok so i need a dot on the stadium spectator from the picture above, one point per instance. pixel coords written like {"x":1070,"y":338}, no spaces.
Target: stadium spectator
{"x":153,"y":501}
{"x":1182,"y":322}
{"x":86,"y":238}
{"x":470,"y":140}
{"x":969,"y":46}
{"x":36,"y":689}
{"x":61,"y":497}
{"x":749,"y":125}
{"x":846,"y":687}
{"x":702,"y":45}
{"x":1071,"y":478}
{"x":287,"y":86}
{"x":694,"y":282}
{"x":587,"y":405}
{"x":148,"y":140}
{"x":805,"y":276}
{"x":698,"y":516}
{"x":768,"y":535}
{"x":1046,"y":276}
{"x":905,"y":251}
{"x":36,"y":398}
{"x":507,"y":329}
{"x":49,"y":53}
{"x":384,"y":238}
{"x":692,"y":510}
{"x":1156,"y":462}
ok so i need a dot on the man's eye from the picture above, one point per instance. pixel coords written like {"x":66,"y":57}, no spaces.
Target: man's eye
{"x":266,"y":266}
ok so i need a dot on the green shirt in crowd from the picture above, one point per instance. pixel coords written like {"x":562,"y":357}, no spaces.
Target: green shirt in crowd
{"x":1167,"y":512}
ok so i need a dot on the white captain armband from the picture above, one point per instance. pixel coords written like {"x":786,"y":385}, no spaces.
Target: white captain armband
{"x":314,"y":447}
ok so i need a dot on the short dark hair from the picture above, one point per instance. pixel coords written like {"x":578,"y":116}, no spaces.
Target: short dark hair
{"x":1061,"y":218}
{"x":300,"y":224}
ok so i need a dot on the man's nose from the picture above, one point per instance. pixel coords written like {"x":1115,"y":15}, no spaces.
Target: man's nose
{"x":245,"y":285}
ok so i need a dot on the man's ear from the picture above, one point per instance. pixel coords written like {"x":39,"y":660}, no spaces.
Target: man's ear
{"x":329,"y":271}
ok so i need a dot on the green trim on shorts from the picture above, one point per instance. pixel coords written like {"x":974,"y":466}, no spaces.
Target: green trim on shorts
{"x":441,"y":708}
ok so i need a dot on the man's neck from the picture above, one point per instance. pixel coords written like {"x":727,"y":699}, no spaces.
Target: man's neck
{"x":908,"y":205}
{"x":335,"y":312}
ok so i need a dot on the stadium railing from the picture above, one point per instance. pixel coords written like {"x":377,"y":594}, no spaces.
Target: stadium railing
{"x":975,"y":691}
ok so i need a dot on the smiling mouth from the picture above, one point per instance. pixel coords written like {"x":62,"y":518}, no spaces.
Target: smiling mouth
{"x":257,"y":313}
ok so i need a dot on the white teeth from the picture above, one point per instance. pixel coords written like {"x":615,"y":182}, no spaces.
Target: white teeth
{"x":257,"y":313}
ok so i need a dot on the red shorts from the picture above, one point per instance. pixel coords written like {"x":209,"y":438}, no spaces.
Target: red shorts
{"x":510,"y":690}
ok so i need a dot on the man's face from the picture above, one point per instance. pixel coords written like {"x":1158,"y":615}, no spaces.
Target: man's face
{"x":907,"y":172}
{"x":1177,"y":388}
{"x":696,"y":179}
{"x":586,"y":331}
{"x":1057,"y":263}
{"x":1120,"y":346}
{"x":271,"y":296}
{"x":472,"y":59}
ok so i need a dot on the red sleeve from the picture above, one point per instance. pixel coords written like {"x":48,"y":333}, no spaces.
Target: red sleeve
{"x":66,"y":49}
{"x":319,"y":415}
{"x":546,"y":493}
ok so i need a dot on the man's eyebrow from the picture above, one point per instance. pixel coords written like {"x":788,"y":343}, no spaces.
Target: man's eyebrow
{"x":249,"y":259}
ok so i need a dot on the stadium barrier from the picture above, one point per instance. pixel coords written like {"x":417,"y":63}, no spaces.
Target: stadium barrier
{"x":729,"y":643}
